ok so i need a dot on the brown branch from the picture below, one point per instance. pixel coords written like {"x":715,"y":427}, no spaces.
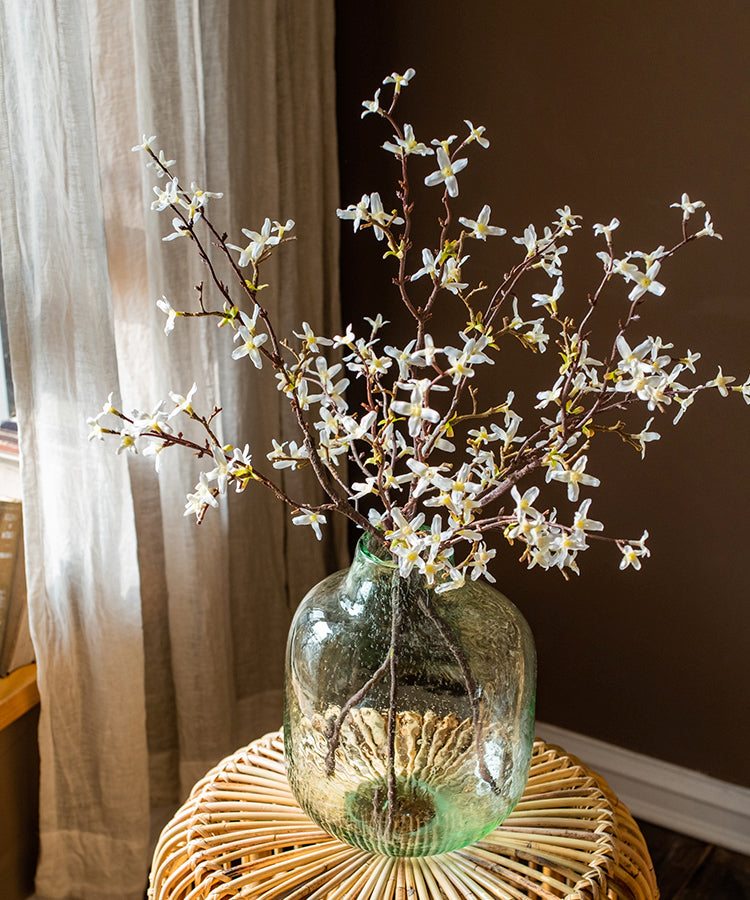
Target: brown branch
{"x":333,"y":729}
{"x":472,"y":689}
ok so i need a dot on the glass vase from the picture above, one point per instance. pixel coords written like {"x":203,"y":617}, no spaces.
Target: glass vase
{"x":417,"y":751}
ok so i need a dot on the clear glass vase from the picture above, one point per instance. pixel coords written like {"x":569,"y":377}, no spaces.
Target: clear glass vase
{"x":429,"y":760}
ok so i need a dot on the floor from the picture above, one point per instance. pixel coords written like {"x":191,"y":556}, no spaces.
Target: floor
{"x":690,"y":869}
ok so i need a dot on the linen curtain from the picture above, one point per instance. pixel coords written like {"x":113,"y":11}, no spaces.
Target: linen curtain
{"x":159,"y":643}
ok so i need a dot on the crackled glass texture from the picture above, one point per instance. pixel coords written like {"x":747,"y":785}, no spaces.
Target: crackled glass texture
{"x":455,"y":759}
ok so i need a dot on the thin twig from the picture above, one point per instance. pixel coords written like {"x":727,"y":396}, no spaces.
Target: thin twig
{"x":471,"y":686}
{"x":333,"y":731}
{"x":397,"y":585}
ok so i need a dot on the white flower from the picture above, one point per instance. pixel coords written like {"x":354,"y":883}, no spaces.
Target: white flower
{"x":708,"y":229}
{"x":607,"y":230}
{"x":651,"y":257}
{"x":536,"y":336}
{"x":193,"y":206}
{"x":154,"y":448}
{"x":405,"y":358}
{"x":529,"y":240}
{"x":399,"y":80}
{"x":645,"y":436}
{"x":377,"y":323}
{"x":416,"y":409}
{"x":551,"y":396}
{"x":108,"y":408}
{"x":573,"y":477}
{"x":203,"y":497}
{"x":250,"y":346}
{"x":524,"y":503}
{"x":285,"y":456}
{"x":479,"y":562}
{"x":407,"y":145}
{"x":96,"y":431}
{"x":180,"y":229}
{"x":683,"y":403}
{"x":219,"y":474}
{"x":567,"y":221}
{"x":145,"y":143}
{"x":391,"y":481}
{"x":407,"y":557}
{"x":371,"y":106}
{"x":446,"y":172}
{"x":161,"y":163}
{"x":475,"y":134}
{"x":356,"y":214}
{"x":720,"y":382}
{"x":312,"y":341}
{"x":425,"y":475}
{"x":378,"y":217}
{"x":628,"y":270}
{"x":632,"y":553}
{"x":646,"y":282}
{"x":405,"y":529}
{"x":325,"y":372}
{"x":166,"y":307}
{"x":550,"y":300}
{"x":429,"y":267}
{"x":312,"y":519}
{"x":456,"y":580}
{"x":687,"y":206}
{"x":581,"y":522}
{"x":241,"y":463}
{"x":450,"y":276}
{"x":201,"y":197}
{"x":363,"y":488}
{"x":155,"y":421}
{"x":166,"y":197}
{"x":182,"y":404}
{"x":258,"y":243}
{"x":428,"y":351}
{"x":462,"y":361}
{"x":344,"y":340}
{"x":744,"y":389}
{"x":480,"y":227}
{"x":631,"y":360}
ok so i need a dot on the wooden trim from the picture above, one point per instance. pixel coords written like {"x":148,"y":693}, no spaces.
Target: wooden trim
{"x":18,"y":694}
{"x":663,"y":793}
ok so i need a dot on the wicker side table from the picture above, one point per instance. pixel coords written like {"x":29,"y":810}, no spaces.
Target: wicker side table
{"x":242,"y":834}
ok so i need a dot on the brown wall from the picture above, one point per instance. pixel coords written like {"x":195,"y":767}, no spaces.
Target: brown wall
{"x":615,"y":109}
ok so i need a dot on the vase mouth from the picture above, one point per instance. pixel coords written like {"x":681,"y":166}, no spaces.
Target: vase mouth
{"x":373,"y":551}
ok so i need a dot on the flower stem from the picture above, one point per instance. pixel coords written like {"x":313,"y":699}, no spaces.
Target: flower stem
{"x":472,"y":689}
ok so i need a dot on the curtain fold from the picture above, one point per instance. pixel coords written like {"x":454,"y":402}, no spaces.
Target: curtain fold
{"x":159,"y":643}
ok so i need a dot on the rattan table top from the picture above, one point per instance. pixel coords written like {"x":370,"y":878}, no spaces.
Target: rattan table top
{"x":242,"y":834}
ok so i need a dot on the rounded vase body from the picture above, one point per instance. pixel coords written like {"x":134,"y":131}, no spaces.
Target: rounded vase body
{"x":428,"y":761}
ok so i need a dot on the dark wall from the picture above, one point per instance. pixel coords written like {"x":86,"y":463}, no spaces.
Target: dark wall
{"x":615,"y":109}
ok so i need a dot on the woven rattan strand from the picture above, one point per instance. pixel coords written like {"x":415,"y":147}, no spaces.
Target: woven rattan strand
{"x":242,"y":834}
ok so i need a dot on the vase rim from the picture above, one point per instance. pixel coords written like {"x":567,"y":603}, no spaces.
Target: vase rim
{"x":363,"y":548}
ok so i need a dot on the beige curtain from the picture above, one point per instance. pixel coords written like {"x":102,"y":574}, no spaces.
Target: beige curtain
{"x":159,"y":643}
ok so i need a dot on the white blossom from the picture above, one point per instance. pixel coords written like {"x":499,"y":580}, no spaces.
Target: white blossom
{"x":645,"y":282}
{"x":480,"y":227}
{"x":572,"y":476}
{"x":720,"y":383}
{"x":475,"y":134}
{"x":446,"y":172}
{"x":313,"y":519}
{"x":166,"y":307}
{"x":688,"y":206}
{"x":407,"y":145}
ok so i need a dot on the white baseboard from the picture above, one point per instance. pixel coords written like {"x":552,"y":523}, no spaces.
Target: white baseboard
{"x":668,"y":795}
